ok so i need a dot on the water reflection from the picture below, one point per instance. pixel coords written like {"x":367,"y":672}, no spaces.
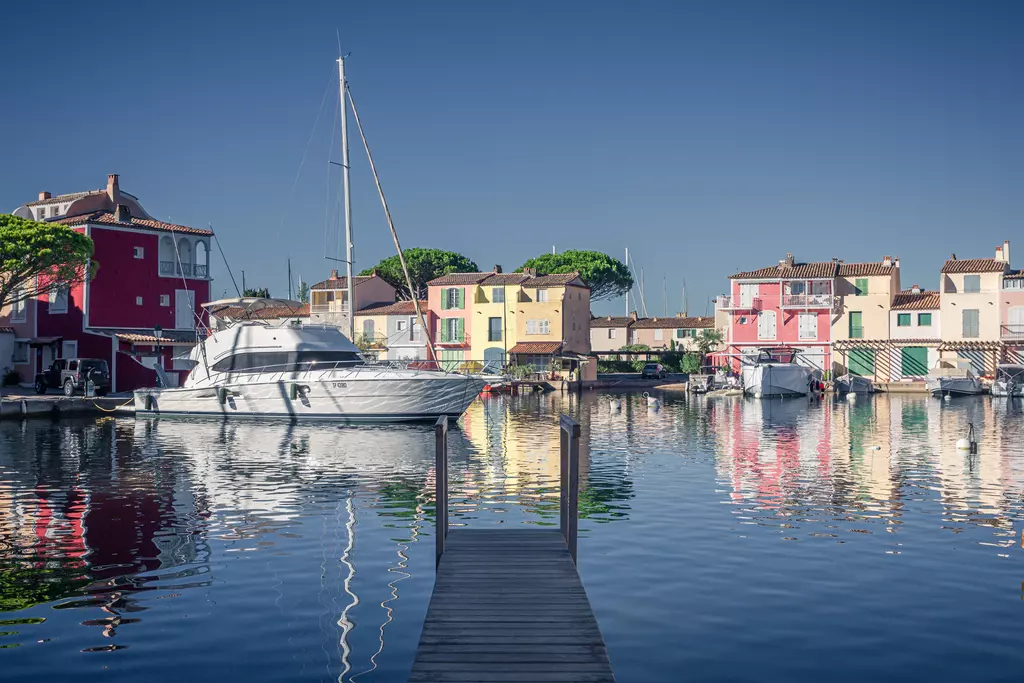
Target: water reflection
{"x":272,"y":550}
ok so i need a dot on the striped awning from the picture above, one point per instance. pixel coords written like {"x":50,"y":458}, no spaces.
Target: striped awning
{"x":879,"y":344}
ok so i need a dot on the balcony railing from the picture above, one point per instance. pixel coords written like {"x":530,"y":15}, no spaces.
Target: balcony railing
{"x":733,"y":303}
{"x":1012,"y":331}
{"x":330,"y":307}
{"x":173,"y":268}
{"x":371,"y":342}
{"x":444,"y":341}
{"x":806,"y":301}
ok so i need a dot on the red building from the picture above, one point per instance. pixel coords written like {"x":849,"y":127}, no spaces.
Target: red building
{"x":150,"y":274}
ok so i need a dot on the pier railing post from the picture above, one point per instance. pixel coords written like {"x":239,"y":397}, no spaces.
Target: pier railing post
{"x":441,"y":483}
{"x":569,"y":491}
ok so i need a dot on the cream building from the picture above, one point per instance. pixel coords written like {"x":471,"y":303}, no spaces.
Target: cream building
{"x":970,"y":310}
{"x":863,"y":299}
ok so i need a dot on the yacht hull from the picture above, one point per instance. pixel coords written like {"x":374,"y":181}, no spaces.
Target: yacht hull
{"x":955,"y":386}
{"x":772,"y":380}
{"x":355,"y":400}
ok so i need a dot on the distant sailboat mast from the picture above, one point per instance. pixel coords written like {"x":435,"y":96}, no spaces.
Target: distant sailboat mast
{"x":348,"y":200}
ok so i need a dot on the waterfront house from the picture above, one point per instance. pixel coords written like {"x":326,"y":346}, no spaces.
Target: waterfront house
{"x":328,"y":299}
{"x":450,"y":298}
{"x":971,"y":298}
{"x":553,"y":320}
{"x":392,"y":331}
{"x":1011,"y":314}
{"x":494,"y":316}
{"x":17,"y":329}
{"x":660,"y":333}
{"x":789,"y":304}
{"x":860,"y":317}
{"x":152,"y":274}
{"x":913,"y":334}
{"x":610,"y":333}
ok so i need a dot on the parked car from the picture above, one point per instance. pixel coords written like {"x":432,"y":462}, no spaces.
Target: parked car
{"x":654,"y":371}
{"x":69,"y":375}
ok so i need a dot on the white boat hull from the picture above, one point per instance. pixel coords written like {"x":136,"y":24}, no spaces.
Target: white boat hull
{"x":1005,"y":389}
{"x":363,"y":397}
{"x":770,"y":380}
{"x":955,"y":386}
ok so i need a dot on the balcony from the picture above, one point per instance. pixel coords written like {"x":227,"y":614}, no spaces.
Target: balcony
{"x":452,"y":343}
{"x":173,"y":268}
{"x":732,"y":303}
{"x":807,"y":301}
{"x":1012,"y":332}
{"x":337,"y":307}
{"x":371,"y":342}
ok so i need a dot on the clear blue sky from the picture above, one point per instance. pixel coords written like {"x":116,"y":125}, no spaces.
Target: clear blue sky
{"x":708,"y":137}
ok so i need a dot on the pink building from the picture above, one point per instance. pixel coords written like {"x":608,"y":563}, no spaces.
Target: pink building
{"x":151,"y":275}
{"x":789,"y":304}
{"x":450,"y":298}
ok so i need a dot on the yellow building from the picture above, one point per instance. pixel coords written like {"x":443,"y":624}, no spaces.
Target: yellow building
{"x":860,"y":320}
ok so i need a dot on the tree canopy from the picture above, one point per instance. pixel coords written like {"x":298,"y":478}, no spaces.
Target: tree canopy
{"x":607,"y":276}
{"x":303,"y":292}
{"x":257,"y":292}
{"x":424,"y":265}
{"x":39,"y":257}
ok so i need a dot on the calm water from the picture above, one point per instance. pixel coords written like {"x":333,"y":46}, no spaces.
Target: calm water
{"x":721,"y":540}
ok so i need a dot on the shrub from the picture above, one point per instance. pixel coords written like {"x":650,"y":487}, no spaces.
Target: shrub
{"x":690,"y":363}
{"x":9,"y":377}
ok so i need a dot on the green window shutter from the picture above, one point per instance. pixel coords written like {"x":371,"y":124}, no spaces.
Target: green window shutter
{"x":924,"y":319}
{"x":903,"y":320}
{"x":444,"y":299}
{"x":462,"y":298}
{"x":461,"y":330}
{"x":444,"y":331}
{"x":862,"y":286}
{"x":856,"y":325}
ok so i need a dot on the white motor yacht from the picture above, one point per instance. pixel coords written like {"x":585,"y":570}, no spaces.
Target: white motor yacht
{"x":774,"y":373}
{"x":1009,"y":380}
{"x":304,"y":372}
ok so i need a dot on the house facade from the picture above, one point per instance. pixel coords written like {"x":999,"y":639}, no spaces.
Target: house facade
{"x":610,"y":333}
{"x":972,"y":310}
{"x":393,"y":332}
{"x":914,"y":330}
{"x":328,"y":299}
{"x":789,"y":304}
{"x":495,"y":313}
{"x":860,"y":319}
{"x":553,"y":319}
{"x":450,"y":299}
{"x":661,"y":333}
{"x":1011,"y":330}
{"x":151,"y":275}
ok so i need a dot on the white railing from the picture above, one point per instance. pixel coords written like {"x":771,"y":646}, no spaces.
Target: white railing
{"x":806,"y":301}
{"x":329,"y":307}
{"x":733,"y":303}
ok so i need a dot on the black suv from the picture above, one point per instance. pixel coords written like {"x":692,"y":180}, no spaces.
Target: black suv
{"x":69,"y":375}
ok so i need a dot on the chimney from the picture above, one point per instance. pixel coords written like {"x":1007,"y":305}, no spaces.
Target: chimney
{"x":915,"y":289}
{"x":531,"y":272}
{"x":113,"y":190}
{"x":632,"y":315}
{"x":789,"y":259}
{"x":122,"y":214}
{"x":887,"y":260}
{"x":497,"y":267}
{"x":896,"y":261}
{"x":952,"y":257}
{"x":999,"y":254}
{"x":1006,"y":251}
{"x":334,"y":275}
{"x":44,"y":195}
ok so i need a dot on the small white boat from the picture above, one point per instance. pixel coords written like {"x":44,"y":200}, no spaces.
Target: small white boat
{"x":301,"y":372}
{"x":965,"y":383}
{"x":775,"y":373}
{"x":854,"y":384}
{"x":1009,"y":380}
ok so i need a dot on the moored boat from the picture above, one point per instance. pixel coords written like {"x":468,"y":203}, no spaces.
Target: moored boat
{"x":1009,"y":380}
{"x":964,"y":383}
{"x":775,"y":373}
{"x":853,"y":384}
{"x":303,"y":372}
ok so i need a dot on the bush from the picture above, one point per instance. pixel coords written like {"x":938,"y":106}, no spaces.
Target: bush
{"x":690,"y":363}
{"x":672,"y":361}
{"x":614,"y":366}
{"x":9,"y":378}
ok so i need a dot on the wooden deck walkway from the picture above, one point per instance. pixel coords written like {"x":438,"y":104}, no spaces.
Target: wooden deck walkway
{"x":508,"y":604}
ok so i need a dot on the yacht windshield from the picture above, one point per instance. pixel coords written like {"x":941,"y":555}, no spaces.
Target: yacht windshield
{"x":285,"y":361}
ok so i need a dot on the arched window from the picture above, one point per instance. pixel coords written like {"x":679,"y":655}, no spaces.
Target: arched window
{"x":185,"y":256}
{"x":167,"y":258}
{"x":202,"y":263}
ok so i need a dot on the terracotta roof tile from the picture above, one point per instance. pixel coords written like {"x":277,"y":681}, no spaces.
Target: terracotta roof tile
{"x":553,"y":280}
{"x":539,"y":348}
{"x":865,"y":269}
{"x":1014,"y":275}
{"x":611,"y":321}
{"x":341,"y":282}
{"x":397,"y":308}
{"x":820,"y":269}
{"x":506,"y":279}
{"x":267,"y":313}
{"x":908,"y":301}
{"x":673,"y":323}
{"x":452,"y":279}
{"x":107,"y":218}
{"x":973,"y":265}
{"x":61,"y":198}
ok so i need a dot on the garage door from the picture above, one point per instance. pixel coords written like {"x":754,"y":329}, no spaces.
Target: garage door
{"x":914,"y":361}
{"x":862,"y":362}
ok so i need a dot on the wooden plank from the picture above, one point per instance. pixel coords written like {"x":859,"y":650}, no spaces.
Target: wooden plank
{"x":509,"y":606}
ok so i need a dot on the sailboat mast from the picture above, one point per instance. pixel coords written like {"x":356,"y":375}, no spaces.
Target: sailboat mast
{"x":627,"y":291}
{"x":348,"y":201}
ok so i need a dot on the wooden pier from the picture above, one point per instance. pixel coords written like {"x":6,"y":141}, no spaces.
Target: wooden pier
{"x":508,"y":604}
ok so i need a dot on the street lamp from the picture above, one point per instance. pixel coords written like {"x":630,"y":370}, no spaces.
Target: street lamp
{"x":158,"y":332}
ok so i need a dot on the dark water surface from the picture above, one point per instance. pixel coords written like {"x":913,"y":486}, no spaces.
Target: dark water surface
{"x":720,"y":540}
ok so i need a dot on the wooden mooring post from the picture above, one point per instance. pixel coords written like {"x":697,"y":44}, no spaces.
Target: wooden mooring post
{"x":508,"y":604}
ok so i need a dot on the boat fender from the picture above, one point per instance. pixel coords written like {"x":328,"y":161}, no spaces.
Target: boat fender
{"x":947,"y":397}
{"x":970,"y":444}
{"x":222,"y":395}
{"x":150,"y":402}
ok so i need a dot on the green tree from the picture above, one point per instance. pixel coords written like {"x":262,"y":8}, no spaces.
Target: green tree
{"x":690,"y":363}
{"x":303,"y":292}
{"x":39,"y":257}
{"x":424,"y":265}
{"x":607,"y":276}
{"x":707,"y":342}
{"x":259,"y":293}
